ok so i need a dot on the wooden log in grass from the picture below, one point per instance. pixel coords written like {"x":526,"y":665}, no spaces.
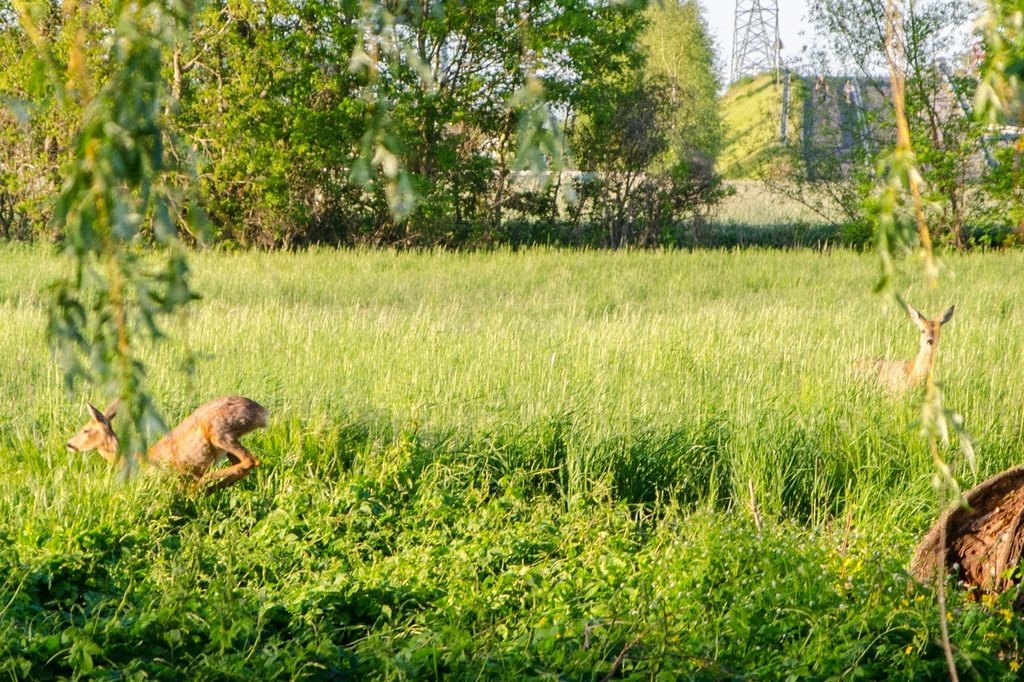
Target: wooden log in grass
{"x":983,"y":540}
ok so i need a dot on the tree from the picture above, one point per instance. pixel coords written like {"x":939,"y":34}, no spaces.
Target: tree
{"x":35,"y":128}
{"x":622,"y":140}
{"x":388,"y":123}
{"x":319,"y":122}
{"x":266,"y":97}
{"x":946,"y":139}
{"x":999,"y":102}
{"x":680,"y":51}
{"x":497,"y":72}
{"x":649,"y":138}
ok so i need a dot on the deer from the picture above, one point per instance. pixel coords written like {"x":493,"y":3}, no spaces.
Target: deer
{"x":193,"y":447}
{"x":900,"y":375}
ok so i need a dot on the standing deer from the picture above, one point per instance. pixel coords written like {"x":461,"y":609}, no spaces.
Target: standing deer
{"x":194,"y":446}
{"x":899,"y":375}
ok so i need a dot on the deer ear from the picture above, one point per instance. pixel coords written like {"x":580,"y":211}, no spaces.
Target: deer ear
{"x":112,"y":409}
{"x":947,"y":315}
{"x":916,"y":315}
{"x":95,"y":412}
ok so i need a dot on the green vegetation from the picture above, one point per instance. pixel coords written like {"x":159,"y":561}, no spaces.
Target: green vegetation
{"x":511,"y":465}
{"x":366,"y":123}
{"x":925,"y":49}
{"x":751,"y":111}
{"x":648,"y":139}
{"x":681,"y":55}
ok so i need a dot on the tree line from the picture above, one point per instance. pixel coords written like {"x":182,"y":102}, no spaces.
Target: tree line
{"x":400,"y":124}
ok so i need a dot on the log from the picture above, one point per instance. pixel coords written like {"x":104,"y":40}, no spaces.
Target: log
{"x":984,"y":540}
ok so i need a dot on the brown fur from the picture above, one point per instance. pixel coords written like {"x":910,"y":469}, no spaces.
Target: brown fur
{"x":191,"y":448}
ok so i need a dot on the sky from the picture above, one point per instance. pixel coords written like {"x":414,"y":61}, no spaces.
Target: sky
{"x":721,"y":15}
{"x":794,"y":29}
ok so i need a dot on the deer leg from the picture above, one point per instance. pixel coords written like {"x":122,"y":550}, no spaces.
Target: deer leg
{"x":242,"y":462}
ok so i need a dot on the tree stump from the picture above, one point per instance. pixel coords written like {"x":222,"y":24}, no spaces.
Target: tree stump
{"x":983,"y":540}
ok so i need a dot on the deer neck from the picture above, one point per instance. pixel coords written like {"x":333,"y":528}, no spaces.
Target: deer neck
{"x":922,"y":364}
{"x":109,"y":452}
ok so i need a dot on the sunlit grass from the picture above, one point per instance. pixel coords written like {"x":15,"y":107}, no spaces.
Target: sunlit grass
{"x":477,"y":464}
{"x":753,"y":206}
{"x":751,"y":112}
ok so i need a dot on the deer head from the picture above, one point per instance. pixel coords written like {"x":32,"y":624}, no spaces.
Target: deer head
{"x":98,"y":433}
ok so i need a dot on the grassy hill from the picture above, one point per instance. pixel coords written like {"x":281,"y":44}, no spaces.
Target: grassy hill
{"x":751,"y":110}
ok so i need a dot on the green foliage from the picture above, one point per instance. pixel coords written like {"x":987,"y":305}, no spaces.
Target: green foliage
{"x":998,"y":102}
{"x":648,"y":140}
{"x":368,"y":123}
{"x":946,"y":140}
{"x":511,"y":465}
{"x":37,"y":116}
{"x":115,"y":191}
{"x":680,"y":53}
{"x":999,"y":94}
{"x":267,"y":98}
{"x":398,"y":124}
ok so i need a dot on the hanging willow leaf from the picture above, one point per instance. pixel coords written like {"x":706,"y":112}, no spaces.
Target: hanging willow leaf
{"x":113,"y":195}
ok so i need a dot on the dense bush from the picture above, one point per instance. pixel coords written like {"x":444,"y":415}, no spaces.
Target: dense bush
{"x":318,"y":122}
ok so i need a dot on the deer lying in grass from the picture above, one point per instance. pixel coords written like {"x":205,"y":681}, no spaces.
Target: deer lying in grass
{"x":191,"y":448}
{"x":899,"y":375}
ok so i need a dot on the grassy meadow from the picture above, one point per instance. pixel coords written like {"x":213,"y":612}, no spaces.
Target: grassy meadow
{"x":513,"y":465}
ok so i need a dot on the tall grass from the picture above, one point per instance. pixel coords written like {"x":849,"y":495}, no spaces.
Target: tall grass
{"x":509,"y":464}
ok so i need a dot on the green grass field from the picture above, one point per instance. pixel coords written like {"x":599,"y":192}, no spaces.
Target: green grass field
{"x":530,"y":465}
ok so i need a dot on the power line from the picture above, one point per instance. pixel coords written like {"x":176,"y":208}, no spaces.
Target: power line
{"x":756,"y":47}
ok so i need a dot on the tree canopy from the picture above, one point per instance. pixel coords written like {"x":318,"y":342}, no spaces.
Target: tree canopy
{"x":402,"y":124}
